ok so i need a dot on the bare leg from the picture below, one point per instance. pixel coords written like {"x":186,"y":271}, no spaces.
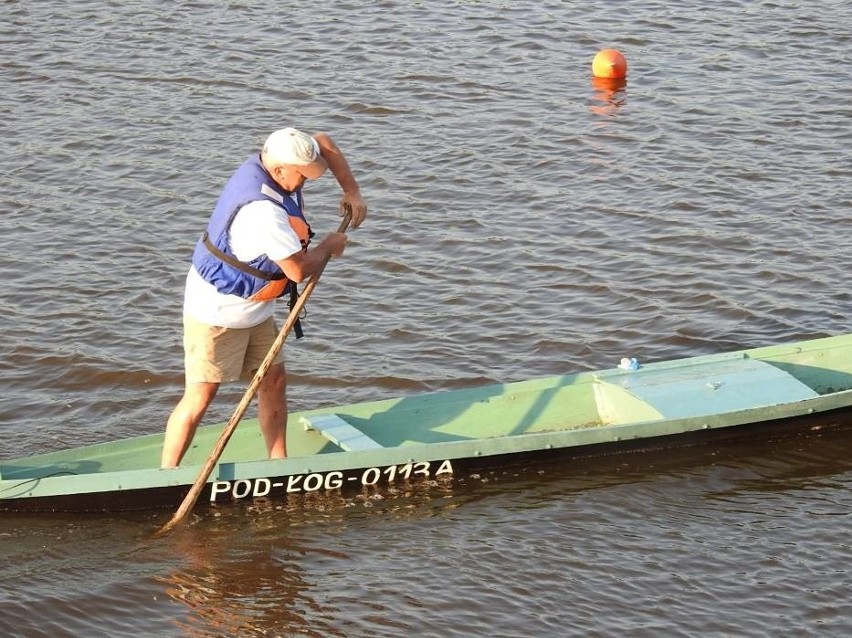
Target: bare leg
{"x":272,"y":411}
{"x":184,"y":421}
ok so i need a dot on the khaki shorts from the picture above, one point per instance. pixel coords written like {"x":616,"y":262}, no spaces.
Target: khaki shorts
{"x":214,"y":354}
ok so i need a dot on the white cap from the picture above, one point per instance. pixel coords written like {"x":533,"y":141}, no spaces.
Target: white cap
{"x":292,"y":146}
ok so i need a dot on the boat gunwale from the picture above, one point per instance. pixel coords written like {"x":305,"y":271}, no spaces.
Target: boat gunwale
{"x":429,"y":452}
{"x":63,"y":481}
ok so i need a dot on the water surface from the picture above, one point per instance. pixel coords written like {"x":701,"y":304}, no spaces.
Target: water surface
{"x":524,"y":221}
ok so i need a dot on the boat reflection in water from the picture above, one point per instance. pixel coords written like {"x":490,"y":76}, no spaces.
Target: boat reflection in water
{"x":269,"y":566}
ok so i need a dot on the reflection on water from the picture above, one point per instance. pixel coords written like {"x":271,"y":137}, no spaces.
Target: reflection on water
{"x":610,"y":94}
{"x":231,"y":589}
{"x":249,"y":569}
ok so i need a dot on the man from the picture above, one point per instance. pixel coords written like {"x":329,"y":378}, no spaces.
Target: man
{"x":256,"y":244}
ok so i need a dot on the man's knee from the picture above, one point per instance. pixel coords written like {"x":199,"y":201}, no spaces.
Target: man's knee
{"x":200,"y":394}
{"x":275,"y":380}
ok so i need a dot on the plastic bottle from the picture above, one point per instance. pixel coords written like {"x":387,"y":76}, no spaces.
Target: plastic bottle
{"x":629,"y":364}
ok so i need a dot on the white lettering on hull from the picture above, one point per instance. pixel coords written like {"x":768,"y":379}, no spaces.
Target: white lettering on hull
{"x":314,"y":482}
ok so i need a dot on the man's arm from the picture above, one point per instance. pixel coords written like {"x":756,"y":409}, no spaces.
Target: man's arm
{"x":302,"y":265}
{"x":351,"y":202}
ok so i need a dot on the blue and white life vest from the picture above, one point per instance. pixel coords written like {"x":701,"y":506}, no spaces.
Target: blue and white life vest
{"x":260,"y":279}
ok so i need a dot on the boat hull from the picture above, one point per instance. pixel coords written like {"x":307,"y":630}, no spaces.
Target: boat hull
{"x":450,"y":436}
{"x":371,"y":479}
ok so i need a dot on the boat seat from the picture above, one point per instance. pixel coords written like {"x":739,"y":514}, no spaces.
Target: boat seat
{"x":343,"y":434}
{"x":697,"y":389}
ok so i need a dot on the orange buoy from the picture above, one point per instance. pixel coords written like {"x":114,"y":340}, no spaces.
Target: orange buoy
{"x":609,"y":63}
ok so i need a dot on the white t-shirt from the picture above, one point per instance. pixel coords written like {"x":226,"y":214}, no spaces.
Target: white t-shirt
{"x":258,"y":228}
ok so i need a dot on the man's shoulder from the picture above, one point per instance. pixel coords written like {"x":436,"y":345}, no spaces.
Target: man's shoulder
{"x":262,"y":207}
{"x":259,"y":217}
{"x":263,"y":227}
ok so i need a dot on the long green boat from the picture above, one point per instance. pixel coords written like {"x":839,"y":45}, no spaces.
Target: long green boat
{"x":453,"y":434}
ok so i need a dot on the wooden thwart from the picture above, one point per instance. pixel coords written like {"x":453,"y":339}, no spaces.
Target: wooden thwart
{"x":343,"y":434}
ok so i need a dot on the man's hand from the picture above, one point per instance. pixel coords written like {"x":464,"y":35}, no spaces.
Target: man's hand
{"x":334,"y":243}
{"x":301,"y":265}
{"x":354,"y":204}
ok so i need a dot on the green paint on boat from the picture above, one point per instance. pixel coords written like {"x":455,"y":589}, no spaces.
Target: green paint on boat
{"x":431,"y":434}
